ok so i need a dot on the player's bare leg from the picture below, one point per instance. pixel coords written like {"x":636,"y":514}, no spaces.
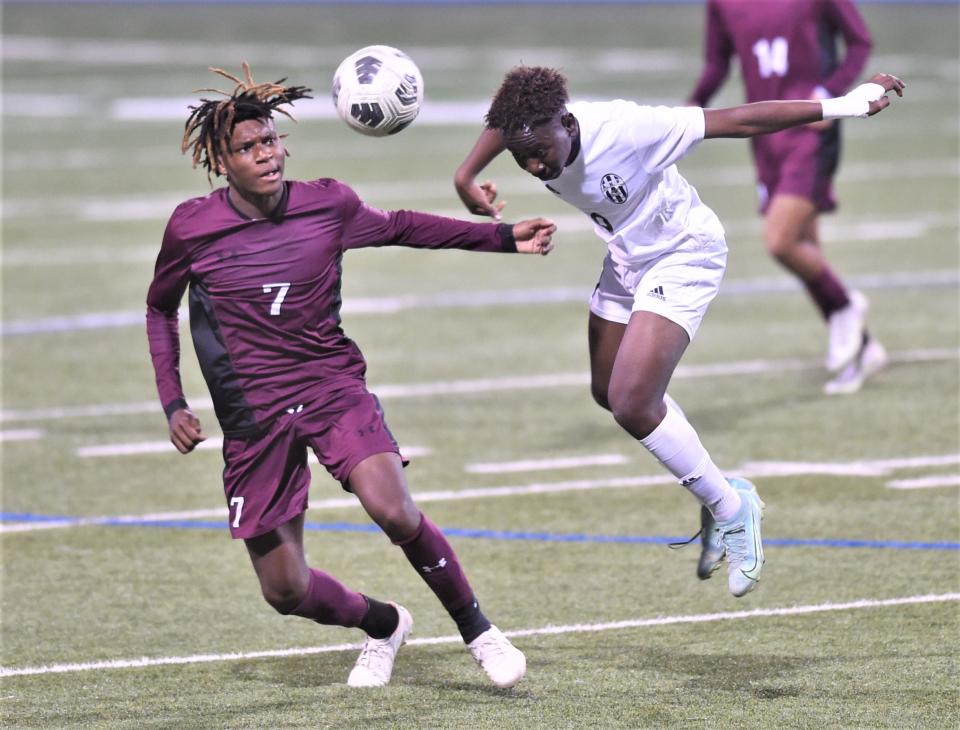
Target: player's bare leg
{"x":791,"y":236}
{"x":279,"y":562}
{"x":632,"y":383}
{"x":381,"y":487}
{"x":604,"y":339}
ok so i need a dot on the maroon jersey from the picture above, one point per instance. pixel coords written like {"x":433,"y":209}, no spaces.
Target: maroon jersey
{"x":786,"y":48}
{"x":265,"y":295}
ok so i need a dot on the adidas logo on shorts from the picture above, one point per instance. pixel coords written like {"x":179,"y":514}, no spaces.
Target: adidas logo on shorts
{"x":657,"y":293}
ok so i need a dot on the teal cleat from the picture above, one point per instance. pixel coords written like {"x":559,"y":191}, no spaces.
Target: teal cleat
{"x":741,"y":538}
{"x":712,"y":549}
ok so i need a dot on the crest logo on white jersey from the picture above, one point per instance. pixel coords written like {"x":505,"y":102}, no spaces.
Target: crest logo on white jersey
{"x":614,"y":188}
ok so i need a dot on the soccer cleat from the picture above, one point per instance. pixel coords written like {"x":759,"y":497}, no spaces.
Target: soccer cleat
{"x":872,"y":359}
{"x":375,"y":663}
{"x":741,"y":538}
{"x":846,"y":332}
{"x":712,"y":549}
{"x":504,"y":663}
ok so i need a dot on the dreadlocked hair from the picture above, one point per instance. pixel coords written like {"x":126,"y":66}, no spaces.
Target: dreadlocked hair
{"x":528,"y":96}
{"x":211,"y":123}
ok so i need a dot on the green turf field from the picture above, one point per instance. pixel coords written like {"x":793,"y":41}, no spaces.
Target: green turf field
{"x":155,"y":620}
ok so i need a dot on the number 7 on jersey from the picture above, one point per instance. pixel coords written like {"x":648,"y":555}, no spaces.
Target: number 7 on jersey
{"x":281,"y":288}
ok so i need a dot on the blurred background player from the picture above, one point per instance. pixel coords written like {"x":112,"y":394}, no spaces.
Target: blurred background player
{"x":666,"y":255}
{"x":788,"y":50}
{"x":262,"y":258}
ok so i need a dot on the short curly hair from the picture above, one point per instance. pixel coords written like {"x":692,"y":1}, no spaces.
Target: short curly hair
{"x":528,"y":96}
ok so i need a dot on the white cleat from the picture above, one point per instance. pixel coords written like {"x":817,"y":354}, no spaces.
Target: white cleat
{"x":375,"y":663}
{"x":712,"y":549}
{"x":504,"y":663}
{"x":846,"y":332}
{"x":741,"y":538}
{"x":872,"y":359}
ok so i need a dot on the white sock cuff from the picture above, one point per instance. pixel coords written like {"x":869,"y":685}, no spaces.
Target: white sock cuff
{"x":676,"y":445}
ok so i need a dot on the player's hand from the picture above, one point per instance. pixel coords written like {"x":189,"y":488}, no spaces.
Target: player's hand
{"x":889,"y":83}
{"x":480,"y":199}
{"x":185,"y":431}
{"x":535,"y":236}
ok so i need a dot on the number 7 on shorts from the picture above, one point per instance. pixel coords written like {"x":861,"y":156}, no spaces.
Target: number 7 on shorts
{"x":236,"y":515}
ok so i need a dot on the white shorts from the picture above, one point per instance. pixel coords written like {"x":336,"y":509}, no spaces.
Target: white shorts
{"x":678,"y":286}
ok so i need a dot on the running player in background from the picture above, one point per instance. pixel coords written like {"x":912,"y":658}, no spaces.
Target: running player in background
{"x":666,"y":255}
{"x":788,"y":50}
{"x":262,"y":257}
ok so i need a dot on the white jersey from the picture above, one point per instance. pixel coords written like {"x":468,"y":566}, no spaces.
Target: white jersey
{"x":625,"y":178}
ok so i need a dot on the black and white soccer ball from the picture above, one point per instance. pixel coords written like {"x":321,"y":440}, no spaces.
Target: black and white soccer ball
{"x":378,"y":90}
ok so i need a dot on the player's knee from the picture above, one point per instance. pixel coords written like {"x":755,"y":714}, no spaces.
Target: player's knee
{"x":638,"y":413}
{"x":599,"y":393}
{"x":284,"y":597}
{"x":398,"y":521}
{"x":779,"y":243}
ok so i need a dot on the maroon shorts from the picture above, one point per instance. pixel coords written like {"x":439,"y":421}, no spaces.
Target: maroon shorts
{"x":266,"y":477}
{"x":799,"y":162}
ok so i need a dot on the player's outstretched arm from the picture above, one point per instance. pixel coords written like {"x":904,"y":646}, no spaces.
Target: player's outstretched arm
{"x":763,"y":117}
{"x":185,"y":430}
{"x":534,"y":236}
{"x":480,"y":199}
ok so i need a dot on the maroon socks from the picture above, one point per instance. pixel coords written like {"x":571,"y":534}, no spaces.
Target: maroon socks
{"x":828,"y":292}
{"x":433,"y":558}
{"x":330,"y":602}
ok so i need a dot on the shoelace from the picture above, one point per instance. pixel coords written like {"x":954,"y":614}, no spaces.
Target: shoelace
{"x":378,"y":649}
{"x":489,"y":646}
{"x":684,"y":543}
{"x":736,"y":544}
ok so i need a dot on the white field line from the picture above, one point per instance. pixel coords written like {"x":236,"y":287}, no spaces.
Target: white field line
{"x":168,"y":108}
{"x":211,"y":444}
{"x":21,"y":434}
{"x":143,"y":447}
{"x":481,"y":298}
{"x":332,"y":148}
{"x":917,"y":462}
{"x":434,"y":59}
{"x":159,"y":206}
{"x":751,"y":470}
{"x":542,"y":631}
{"x":567,"y":462}
{"x":938,"y":480}
{"x":112,"y":51}
{"x":486,"y":385}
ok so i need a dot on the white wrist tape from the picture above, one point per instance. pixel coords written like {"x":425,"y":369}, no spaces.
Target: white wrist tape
{"x":855,"y":104}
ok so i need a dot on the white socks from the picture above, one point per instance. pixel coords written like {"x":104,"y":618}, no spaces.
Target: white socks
{"x":676,"y":445}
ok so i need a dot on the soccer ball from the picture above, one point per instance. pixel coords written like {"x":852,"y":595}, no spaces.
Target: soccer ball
{"x":378,"y":90}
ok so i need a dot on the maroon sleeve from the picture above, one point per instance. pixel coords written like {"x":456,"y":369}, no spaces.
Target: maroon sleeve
{"x":364,"y":226}
{"x":170,"y":278}
{"x":718,"y":48}
{"x":856,"y":37}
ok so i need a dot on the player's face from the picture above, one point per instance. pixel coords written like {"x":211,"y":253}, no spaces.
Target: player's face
{"x":253,"y":160}
{"x":544,"y":150}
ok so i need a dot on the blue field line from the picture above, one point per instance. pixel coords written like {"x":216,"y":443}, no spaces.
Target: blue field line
{"x":11,"y":517}
{"x":26,"y":517}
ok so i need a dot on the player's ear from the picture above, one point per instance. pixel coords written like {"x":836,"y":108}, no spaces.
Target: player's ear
{"x":569,"y":123}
